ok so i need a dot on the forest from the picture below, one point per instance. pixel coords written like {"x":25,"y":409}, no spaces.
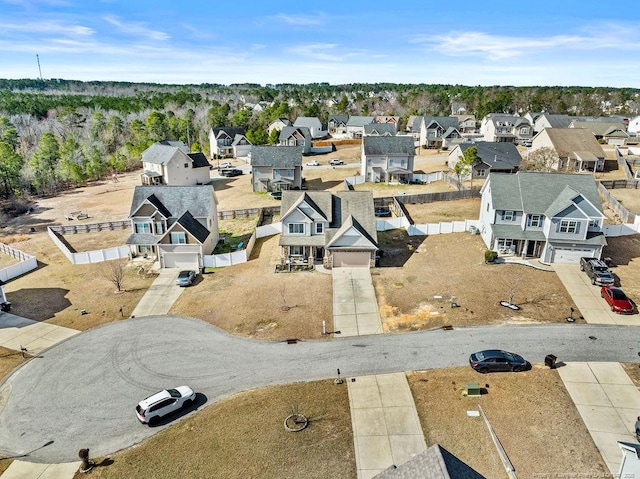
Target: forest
{"x":57,"y":134}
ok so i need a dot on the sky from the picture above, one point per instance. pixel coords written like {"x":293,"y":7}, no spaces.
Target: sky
{"x":480,"y":42}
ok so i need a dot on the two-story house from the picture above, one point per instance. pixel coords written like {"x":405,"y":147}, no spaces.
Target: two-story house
{"x":337,"y":125}
{"x":276,"y":168}
{"x":278,"y":124}
{"x":176,"y":224}
{"x":613,"y":132}
{"x":313,"y":124}
{"x":228,"y":142}
{"x":577,"y":148}
{"x":355,"y":125}
{"x":380,"y":129}
{"x":387,"y":159}
{"x":495,"y":157}
{"x":507,"y":128}
{"x":551,"y":216}
{"x":337,"y":229}
{"x":170,"y":163}
{"x":296,"y":136}
{"x":435,"y":129}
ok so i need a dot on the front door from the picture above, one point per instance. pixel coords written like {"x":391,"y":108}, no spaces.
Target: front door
{"x":531,"y":248}
{"x":319,"y":253}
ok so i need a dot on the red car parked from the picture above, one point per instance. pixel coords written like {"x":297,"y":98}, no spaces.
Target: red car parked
{"x":616,"y":298}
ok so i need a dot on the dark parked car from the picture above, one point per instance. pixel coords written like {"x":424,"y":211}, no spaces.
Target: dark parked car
{"x":185,"y":278}
{"x":231,"y":172}
{"x":617,"y":300}
{"x":382,"y":211}
{"x":638,"y":429}
{"x":492,"y":360}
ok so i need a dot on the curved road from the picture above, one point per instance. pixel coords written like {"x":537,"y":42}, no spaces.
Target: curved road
{"x":82,"y":392}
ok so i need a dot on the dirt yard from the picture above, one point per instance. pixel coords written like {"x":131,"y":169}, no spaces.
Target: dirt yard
{"x":531,"y":413}
{"x":443,"y":211}
{"x":624,"y":252}
{"x":630,"y":198}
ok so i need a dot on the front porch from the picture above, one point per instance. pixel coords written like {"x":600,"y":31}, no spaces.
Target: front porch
{"x":521,"y":248}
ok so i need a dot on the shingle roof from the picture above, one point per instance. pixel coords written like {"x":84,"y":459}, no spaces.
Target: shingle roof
{"x":602,"y":128}
{"x":535,"y":192}
{"x":175,"y":199}
{"x":230,"y":131}
{"x":193,"y":226}
{"x":287,"y":131}
{"x":359,"y":120}
{"x":388,"y":145}
{"x":308,"y":121}
{"x":496,"y":153}
{"x":199,"y":160}
{"x":238,"y":138}
{"x":566,"y":141}
{"x":160,"y":153}
{"x":380,"y":128}
{"x":276,"y":156}
{"x":339,"y":118}
{"x":443,"y":121}
{"x":556,"y":121}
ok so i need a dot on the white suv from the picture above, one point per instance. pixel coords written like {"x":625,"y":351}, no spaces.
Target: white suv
{"x":151,"y":409}
{"x":336,"y":161}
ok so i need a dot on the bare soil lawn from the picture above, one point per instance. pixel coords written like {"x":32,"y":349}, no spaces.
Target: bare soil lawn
{"x":624,"y":252}
{"x":443,"y":211}
{"x":532,"y":415}
{"x":244,"y":437}
{"x":9,"y":360}
{"x":7,"y":260}
{"x":250,"y":299}
{"x":630,"y":198}
{"x":384,"y":190}
{"x":420,"y":276}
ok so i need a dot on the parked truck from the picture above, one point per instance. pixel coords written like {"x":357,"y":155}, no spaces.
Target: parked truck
{"x":598,"y":271}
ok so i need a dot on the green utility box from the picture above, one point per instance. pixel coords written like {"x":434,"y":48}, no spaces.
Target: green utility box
{"x":473,"y":389}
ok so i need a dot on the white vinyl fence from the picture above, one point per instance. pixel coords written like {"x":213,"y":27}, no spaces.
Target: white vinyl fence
{"x":27,"y":263}
{"x":241,"y":256}
{"x":442,"y":228}
{"x":87,"y":257}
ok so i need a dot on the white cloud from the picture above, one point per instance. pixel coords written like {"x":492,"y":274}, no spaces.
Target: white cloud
{"x":48,"y":27}
{"x":138,"y":29}
{"x":329,"y":52}
{"x":300,"y":20}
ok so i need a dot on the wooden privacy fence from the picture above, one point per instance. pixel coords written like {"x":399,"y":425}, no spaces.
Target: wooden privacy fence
{"x":91,"y":227}
{"x":613,"y":184}
{"x":247,"y":212}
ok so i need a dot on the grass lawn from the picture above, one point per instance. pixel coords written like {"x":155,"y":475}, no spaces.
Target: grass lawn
{"x":244,"y":437}
{"x":531,"y":413}
{"x":234,"y":232}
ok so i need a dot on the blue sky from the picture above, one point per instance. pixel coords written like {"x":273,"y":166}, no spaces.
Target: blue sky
{"x":480,"y":42}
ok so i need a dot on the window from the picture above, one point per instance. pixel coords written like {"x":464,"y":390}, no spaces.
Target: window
{"x":296,"y":250}
{"x":178,"y":238}
{"x":535,"y":221}
{"x":319,"y":228}
{"x":143,"y":228}
{"x":594,"y":224}
{"x":296,"y":228}
{"x":505,"y":243}
{"x":481,"y":173}
{"x":568,"y":226}
{"x":159,"y":227}
{"x":524,"y":130}
{"x":508,"y":215}
{"x":186,"y":165}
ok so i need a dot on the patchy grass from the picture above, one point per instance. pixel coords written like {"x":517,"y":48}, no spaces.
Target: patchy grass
{"x":531,"y":413}
{"x":456,"y":210}
{"x":234,"y":232}
{"x":244,"y":437}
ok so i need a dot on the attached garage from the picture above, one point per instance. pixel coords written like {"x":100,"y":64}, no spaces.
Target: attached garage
{"x":181,"y":260}
{"x":570,"y":255}
{"x":351,"y":259}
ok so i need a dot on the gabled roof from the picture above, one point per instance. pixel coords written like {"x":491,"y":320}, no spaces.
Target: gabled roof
{"x":174,"y":201}
{"x":339,"y":119}
{"x":227,"y":131}
{"x":276,"y":156}
{"x":199,"y":160}
{"x":556,"y":121}
{"x":161,"y":152}
{"x":289,"y":131}
{"x":308,"y":121}
{"x":603,"y":128}
{"x":496,"y":153}
{"x":380,"y":129}
{"x":535,"y":192}
{"x":349,"y":224}
{"x":434,"y":463}
{"x":359,"y":120}
{"x":238,"y":138}
{"x":193,"y":226}
{"x":320,"y":203}
{"x":504,"y":118}
{"x":566,"y":141}
{"x":388,"y":145}
{"x":443,"y":122}
{"x":450,"y":131}
{"x":282,"y":120}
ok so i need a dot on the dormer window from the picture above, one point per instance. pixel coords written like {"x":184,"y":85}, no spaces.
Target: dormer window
{"x":535,"y":221}
{"x":508,"y":216}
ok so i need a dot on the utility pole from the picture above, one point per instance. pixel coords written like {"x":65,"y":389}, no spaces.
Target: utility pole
{"x":39,"y":69}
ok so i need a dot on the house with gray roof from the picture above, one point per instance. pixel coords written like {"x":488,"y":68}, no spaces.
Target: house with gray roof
{"x":278,"y":124}
{"x":170,"y":163}
{"x":314,"y":124}
{"x":337,"y":125}
{"x":495,"y":157}
{"x":276,"y":168}
{"x":355,"y":125}
{"x":224,"y":142}
{"x":177,"y":225}
{"x":335,"y":229}
{"x":434,"y":130}
{"x":577,"y":148}
{"x":613,"y":132}
{"x":380,"y":129}
{"x":387,"y":159}
{"x":547,"y":120}
{"x":506,"y":128}
{"x":434,"y":463}
{"x":556,"y":217}
{"x":296,"y":136}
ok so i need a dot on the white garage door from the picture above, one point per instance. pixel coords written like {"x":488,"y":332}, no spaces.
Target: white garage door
{"x":351,"y":259}
{"x":570,"y":255}
{"x":181,"y":260}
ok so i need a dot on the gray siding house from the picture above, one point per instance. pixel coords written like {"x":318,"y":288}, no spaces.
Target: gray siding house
{"x":276,"y":168}
{"x":387,"y":159}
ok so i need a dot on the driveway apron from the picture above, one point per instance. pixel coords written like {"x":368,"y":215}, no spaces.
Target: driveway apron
{"x":586,"y":296}
{"x":608,"y":403}
{"x":355,"y":308}
{"x":35,"y":336}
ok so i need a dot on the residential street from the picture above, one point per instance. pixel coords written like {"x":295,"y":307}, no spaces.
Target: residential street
{"x":82,"y":392}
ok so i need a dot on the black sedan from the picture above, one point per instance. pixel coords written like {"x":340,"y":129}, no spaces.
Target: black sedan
{"x":492,"y":360}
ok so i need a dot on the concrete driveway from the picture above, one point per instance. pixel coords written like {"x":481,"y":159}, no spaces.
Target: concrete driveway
{"x":161,"y":294}
{"x":586,"y":296}
{"x":355,"y":307}
{"x":81,"y":392}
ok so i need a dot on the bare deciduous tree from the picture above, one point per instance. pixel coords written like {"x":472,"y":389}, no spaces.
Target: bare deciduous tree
{"x":115,"y":271}
{"x":542,"y":159}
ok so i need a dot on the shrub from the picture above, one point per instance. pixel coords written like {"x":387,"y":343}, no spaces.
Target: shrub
{"x":490,"y":256}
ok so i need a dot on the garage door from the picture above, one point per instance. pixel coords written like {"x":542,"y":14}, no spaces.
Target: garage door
{"x":351,"y":259}
{"x":570,"y":255}
{"x":182,"y":261}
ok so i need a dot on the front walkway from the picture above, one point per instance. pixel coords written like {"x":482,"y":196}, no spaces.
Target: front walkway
{"x":608,"y":402}
{"x":386,"y":428}
{"x":355,"y":307}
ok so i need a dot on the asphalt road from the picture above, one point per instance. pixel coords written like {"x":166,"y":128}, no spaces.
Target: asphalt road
{"x":82,"y":392}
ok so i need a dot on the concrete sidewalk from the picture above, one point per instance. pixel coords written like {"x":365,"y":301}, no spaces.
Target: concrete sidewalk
{"x":386,"y":428}
{"x":608,"y":402}
{"x":355,"y":307}
{"x":32,"y":470}
{"x":161,"y":294}
{"x":36,"y":336}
